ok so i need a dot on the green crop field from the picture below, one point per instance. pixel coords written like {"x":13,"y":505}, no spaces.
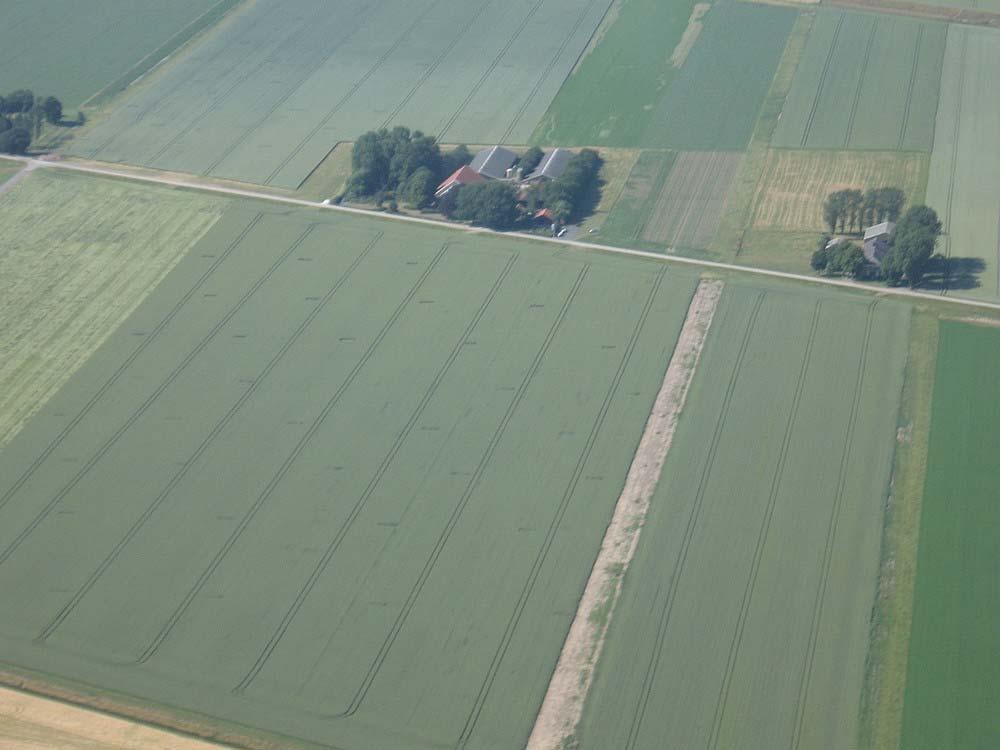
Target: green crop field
{"x":953,"y":678}
{"x":337,"y":478}
{"x":964,"y":185}
{"x":74,"y":50}
{"x":744,"y":617}
{"x":265,"y":98}
{"x":628,"y":92}
{"x":865,"y":82}
{"x":634,"y":207}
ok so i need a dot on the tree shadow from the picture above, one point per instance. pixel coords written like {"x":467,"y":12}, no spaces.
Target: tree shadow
{"x":588,"y":201}
{"x":952,"y":273}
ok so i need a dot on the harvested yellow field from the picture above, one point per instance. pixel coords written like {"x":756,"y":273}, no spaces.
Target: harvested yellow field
{"x":96,"y":248}
{"x":795,"y":183}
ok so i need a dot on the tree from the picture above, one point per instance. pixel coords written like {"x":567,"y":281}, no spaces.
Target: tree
{"x":452,"y":160}
{"x":833,"y":207}
{"x":912,"y":246}
{"x":53,"y":109}
{"x":575,"y":184}
{"x":15,"y":141}
{"x":821,"y":256}
{"x":889,"y":202}
{"x":531,"y":159}
{"x":491,"y":204}
{"x":384,"y":160}
{"x":5,"y":124}
{"x":21,"y":100}
{"x":419,"y":191}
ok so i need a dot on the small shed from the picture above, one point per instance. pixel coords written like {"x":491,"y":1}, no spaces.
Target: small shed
{"x":878,"y":240}
{"x":552,"y":165}
{"x":461,"y":176}
{"x":493,"y":163}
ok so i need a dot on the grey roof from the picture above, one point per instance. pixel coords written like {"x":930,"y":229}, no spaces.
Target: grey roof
{"x":880,"y":230}
{"x":493,"y":162}
{"x":552,"y":165}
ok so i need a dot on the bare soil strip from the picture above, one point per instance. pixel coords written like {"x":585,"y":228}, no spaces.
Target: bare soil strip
{"x":691,"y":34}
{"x":28,"y":722}
{"x":564,"y":701}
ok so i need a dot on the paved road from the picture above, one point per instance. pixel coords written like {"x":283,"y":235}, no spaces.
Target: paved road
{"x":195,"y":184}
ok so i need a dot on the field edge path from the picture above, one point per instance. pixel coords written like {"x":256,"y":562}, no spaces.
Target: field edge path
{"x":562,"y":707}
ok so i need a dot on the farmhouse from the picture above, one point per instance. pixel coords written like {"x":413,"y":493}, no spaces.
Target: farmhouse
{"x":461,"y":176}
{"x":551,"y":167}
{"x":877,"y":241}
{"x":493,"y":163}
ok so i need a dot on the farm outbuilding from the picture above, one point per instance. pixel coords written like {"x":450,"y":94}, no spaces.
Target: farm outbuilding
{"x":461,"y":176}
{"x":877,"y":241}
{"x":493,"y":163}
{"x":552,"y":165}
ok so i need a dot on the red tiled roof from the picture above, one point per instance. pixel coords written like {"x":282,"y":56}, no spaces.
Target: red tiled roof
{"x":543,"y":214}
{"x":461,"y":176}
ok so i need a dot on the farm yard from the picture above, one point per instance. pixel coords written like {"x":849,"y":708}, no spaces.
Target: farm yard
{"x":267,"y":97}
{"x":214,"y":513}
{"x":77,"y":50}
{"x":953,"y":678}
{"x":796,"y":183}
{"x":744,"y":617}
{"x":965,"y":165}
{"x":865,"y":82}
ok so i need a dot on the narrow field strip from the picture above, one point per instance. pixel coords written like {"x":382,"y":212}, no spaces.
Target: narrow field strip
{"x":564,"y":701}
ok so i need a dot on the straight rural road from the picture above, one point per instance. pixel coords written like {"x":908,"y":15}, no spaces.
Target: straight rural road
{"x":193,"y":184}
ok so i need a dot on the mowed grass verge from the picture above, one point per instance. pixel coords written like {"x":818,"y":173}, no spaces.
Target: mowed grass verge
{"x":74,"y":50}
{"x":627,"y":92}
{"x":865,"y":81}
{"x":744,"y":618}
{"x":267,"y":96}
{"x":336,"y":479}
{"x":953,"y":679}
{"x":964,"y":186}
{"x":77,"y":257}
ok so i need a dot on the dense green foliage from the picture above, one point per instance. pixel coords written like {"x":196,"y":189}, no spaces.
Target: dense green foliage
{"x":953,"y":674}
{"x":912,"y":246}
{"x":571,"y":194}
{"x":490,"y":204}
{"x":14,"y":140}
{"x":852,"y":211}
{"x":842,"y":259}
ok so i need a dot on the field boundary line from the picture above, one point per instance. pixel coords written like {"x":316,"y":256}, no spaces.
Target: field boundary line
{"x":545,"y":74}
{"x":955,"y":143}
{"x":569,"y":686}
{"x":765,"y":528}
{"x":352,"y":91}
{"x":146,"y":341}
{"x":292,"y":90}
{"x":380,"y":471}
{"x":560,"y":512}
{"x":805,"y":678}
{"x":692,"y":522}
{"x":861,"y":83}
{"x":667,"y":256}
{"x":470,"y":488}
{"x":286,"y":465}
{"x":108,"y":444}
{"x":822,"y":79}
{"x":450,"y":122}
{"x":910,"y":87}
{"x":220,"y":425}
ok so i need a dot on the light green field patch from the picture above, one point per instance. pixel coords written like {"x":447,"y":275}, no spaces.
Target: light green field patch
{"x":865,"y":82}
{"x":266,"y":97}
{"x":744,"y":617}
{"x":953,"y":680}
{"x":964,"y":185}
{"x":635,"y":204}
{"x":337,"y":478}
{"x":73,"y":50}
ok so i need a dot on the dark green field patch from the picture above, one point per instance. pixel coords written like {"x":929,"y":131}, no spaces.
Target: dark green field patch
{"x":953,"y":678}
{"x":634,"y":207}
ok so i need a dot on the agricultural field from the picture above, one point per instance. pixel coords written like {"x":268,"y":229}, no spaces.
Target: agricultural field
{"x":76,"y":50}
{"x":266,"y":97}
{"x":628,"y":93}
{"x":673,"y":199}
{"x":953,"y":679}
{"x":964,"y":185}
{"x":745,"y":615}
{"x":69,"y":277}
{"x":795,"y":184}
{"x":337,"y":479}
{"x":865,"y":81}
{"x":8,"y":169}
